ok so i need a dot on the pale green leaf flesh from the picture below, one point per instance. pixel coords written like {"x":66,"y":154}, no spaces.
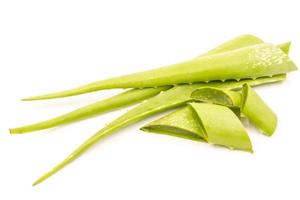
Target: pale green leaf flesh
{"x":217,"y":96}
{"x":181,"y":123}
{"x":257,"y":111}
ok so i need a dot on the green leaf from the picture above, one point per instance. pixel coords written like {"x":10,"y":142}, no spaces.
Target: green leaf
{"x":182,"y":122}
{"x":212,"y":123}
{"x":115,"y":102}
{"x":258,"y":112}
{"x":248,"y":102}
{"x":247,"y":62}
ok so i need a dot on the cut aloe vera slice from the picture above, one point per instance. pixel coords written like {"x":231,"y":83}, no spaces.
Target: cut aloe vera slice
{"x":180,"y":123}
{"x":248,"y":103}
{"x":257,"y":111}
{"x":213,"y":123}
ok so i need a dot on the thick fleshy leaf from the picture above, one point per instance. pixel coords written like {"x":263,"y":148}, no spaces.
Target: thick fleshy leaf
{"x":248,"y":62}
{"x":213,"y":123}
{"x":257,"y":111}
{"x":180,"y":123}
{"x":248,"y":102}
{"x":222,"y":126}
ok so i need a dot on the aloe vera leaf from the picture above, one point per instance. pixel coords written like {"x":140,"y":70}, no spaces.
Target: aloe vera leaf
{"x":180,"y":123}
{"x":166,"y":100}
{"x":246,"y":62}
{"x":221,"y":126}
{"x":124,"y":99}
{"x":215,"y":124}
{"x":237,"y":42}
{"x":257,"y":111}
{"x":217,"y":96}
{"x":248,"y":102}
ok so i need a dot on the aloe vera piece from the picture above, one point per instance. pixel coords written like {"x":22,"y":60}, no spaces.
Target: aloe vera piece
{"x":248,"y":103}
{"x":182,"y":123}
{"x":221,"y":126}
{"x":246,"y":62}
{"x":204,"y":122}
{"x":258,"y":112}
{"x":124,"y":99}
{"x":171,"y":98}
{"x":217,"y":96}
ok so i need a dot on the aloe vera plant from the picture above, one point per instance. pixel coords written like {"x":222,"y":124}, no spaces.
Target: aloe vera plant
{"x":169,"y":99}
{"x":245,"y":59}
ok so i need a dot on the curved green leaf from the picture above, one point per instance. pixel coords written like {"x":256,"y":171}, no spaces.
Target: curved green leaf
{"x":248,"y":102}
{"x":182,"y":122}
{"x":258,"y":112}
{"x":222,"y":126}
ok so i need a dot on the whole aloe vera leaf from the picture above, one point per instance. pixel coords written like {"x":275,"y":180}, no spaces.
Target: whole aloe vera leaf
{"x":124,"y":99}
{"x":171,"y":98}
{"x":257,"y":111}
{"x":246,"y":62}
{"x":217,"y":96}
{"x":182,"y":123}
{"x":221,"y":126}
{"x":237,"y":42}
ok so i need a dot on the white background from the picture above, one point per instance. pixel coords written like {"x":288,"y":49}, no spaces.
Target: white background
{"x":53,"y":45}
